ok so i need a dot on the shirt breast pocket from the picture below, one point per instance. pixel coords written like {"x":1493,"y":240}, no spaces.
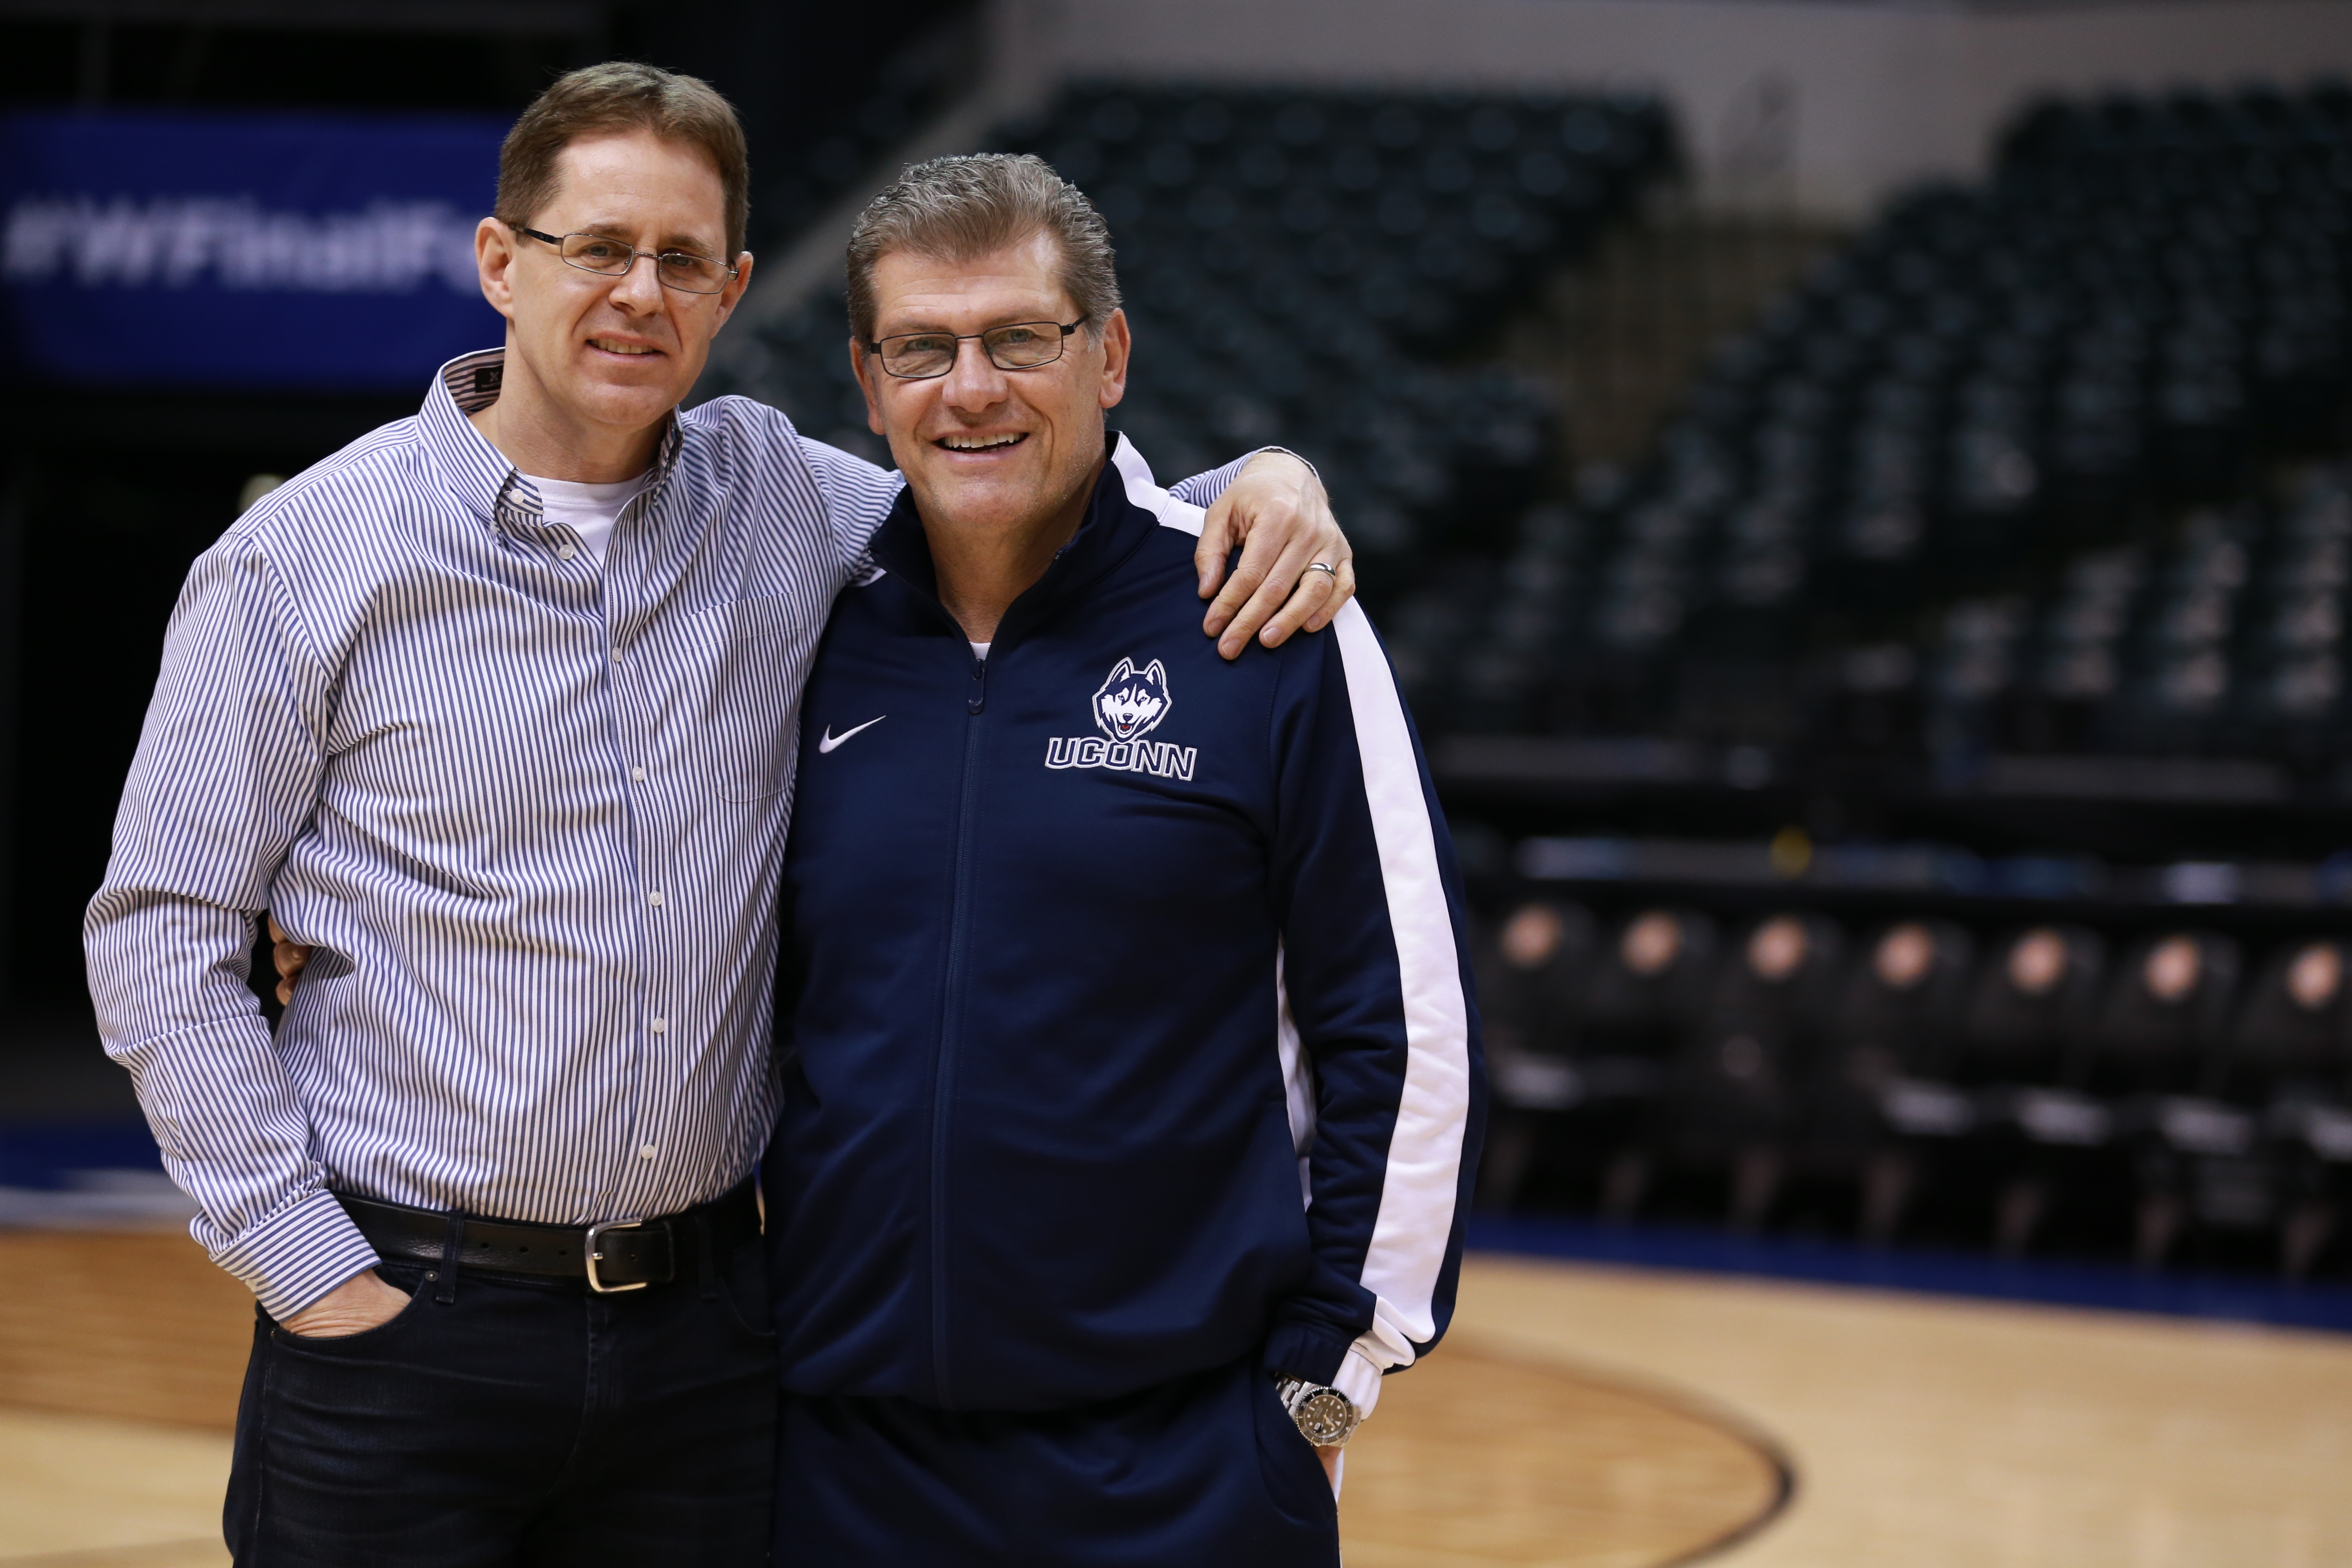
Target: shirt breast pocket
{"x":740,"y":724}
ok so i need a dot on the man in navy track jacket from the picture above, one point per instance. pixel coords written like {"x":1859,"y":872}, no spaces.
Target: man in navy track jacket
{"x":1132,"y":1084}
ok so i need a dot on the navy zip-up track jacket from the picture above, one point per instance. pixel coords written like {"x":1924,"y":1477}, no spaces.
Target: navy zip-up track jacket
{"x":1126,"y":1021}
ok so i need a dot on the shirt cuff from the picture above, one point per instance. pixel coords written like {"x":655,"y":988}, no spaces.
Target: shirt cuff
{"x":1202,"y":489}
{"x":1360,"y":1379}
{"x":1288,"y":453}
{"x":297,"y":1255}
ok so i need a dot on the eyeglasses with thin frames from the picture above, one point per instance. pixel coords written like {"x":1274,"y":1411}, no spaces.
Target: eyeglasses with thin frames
{"x":1016,"y":345}
{"x":601,"y":253}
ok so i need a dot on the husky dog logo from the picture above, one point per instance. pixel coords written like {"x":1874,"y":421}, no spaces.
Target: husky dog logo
{"x":1127,"y":707}
{"x":1133,"y":702}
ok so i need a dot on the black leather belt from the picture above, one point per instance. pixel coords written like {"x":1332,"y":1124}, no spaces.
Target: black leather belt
{"x":618,"y":1255}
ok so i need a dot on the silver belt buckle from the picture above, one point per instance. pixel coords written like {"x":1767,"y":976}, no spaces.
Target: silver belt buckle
{"x":596,"y":1236}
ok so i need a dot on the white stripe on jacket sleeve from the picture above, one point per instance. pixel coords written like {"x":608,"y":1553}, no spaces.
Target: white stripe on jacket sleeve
{"x":1419,"y":1189}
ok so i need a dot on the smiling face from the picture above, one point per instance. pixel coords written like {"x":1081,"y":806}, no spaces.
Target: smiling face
{"x":597,"y":361}
{"x":989,"y":451}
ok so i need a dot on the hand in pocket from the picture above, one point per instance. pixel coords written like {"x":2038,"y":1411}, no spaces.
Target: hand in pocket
{"x":360,"y":1303}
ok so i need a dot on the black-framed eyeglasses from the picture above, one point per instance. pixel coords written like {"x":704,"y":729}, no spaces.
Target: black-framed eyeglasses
{"x":680,"y":269}
{"x":1016,"y":345}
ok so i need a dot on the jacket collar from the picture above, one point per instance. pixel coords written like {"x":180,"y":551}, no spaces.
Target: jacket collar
{"x":477,"y":474}
{"x":1113,"y":528}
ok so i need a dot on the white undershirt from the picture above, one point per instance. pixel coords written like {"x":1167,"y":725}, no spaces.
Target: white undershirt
{"x":978,"y":650}
{"x":588,"y":511}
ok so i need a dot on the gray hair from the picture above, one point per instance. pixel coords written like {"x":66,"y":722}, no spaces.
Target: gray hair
{"x":961,"y":207}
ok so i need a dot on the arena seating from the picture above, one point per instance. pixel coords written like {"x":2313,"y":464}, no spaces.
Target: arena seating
{"x":1895,"y":1026}
{"x":2225,"y":638}
{"x":1949,"y":471}
{"x":2023,"y":524}
{"x":2160,"y":1095}
{"x":908,"y":89}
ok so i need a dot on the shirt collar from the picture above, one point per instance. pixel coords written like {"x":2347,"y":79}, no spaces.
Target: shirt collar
{"x":1112,"y":528}
{"x":477,"y":474}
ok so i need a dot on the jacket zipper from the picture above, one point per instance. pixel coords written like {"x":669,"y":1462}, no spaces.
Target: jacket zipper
{"x":943,"y":1078}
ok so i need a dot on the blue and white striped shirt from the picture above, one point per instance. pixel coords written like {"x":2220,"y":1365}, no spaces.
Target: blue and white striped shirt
{"x":529,"y":812}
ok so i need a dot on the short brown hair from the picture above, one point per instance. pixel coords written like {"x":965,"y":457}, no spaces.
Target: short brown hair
{"x":616,"y":97}
{"x":960,"y":207}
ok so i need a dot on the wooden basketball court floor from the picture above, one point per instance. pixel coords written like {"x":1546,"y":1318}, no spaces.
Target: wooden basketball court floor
{"x":1579,"y":1417}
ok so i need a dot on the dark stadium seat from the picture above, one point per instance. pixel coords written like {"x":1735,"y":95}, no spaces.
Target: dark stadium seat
{"x":2158,"y":1057}
{"x":1890,"y":1041}
{"x":2024,"y":1045}
{"x":2031,"y":1010}
{"x":2292,"y":1039}
{"x":2292,"y":692}
{"x":1647,"y":989}
{"x":1532,"y":970}
{"x":2165,"y":1017}
{"x":2290,"y":1063}
{"x":1733,"y":1101}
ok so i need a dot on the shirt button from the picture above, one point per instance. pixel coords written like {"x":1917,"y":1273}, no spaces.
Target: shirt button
{"x":647,"y":1153}
{"x":661,"y":1025}
{"x":654,"y":898}
{"x":637,"y":774}
{"x":565,"y":552}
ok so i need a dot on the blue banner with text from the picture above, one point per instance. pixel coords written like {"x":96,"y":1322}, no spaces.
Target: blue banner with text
{"x":262,"y":251}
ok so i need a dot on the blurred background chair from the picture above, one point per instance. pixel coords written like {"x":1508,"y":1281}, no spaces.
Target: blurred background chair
{"x":1645,"y":997}
{"x":1532,"y":972}
{"x":2156,"y":1057}
{"x":2026,"y":1052}
{"x":1731,"y":1101}
{"x":2288,"y":1061}
{"x":1894,"y":1032}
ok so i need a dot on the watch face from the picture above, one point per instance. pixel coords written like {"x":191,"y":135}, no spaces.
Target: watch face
{"x":1326,"y":1418}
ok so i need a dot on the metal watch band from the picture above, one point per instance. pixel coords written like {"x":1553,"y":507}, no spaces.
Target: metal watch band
{"x":1324,"y":1416}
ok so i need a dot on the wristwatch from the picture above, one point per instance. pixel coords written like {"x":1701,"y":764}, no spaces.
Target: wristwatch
{"x":1324,"y":1417}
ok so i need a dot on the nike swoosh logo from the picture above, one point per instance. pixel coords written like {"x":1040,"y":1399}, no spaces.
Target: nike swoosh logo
{"x":831,"y":740}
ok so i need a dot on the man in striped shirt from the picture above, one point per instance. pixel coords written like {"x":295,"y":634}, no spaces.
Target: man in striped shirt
{"x":495,"y":709}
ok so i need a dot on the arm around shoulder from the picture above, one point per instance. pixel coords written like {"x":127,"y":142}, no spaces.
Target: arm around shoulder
{"x":1296,"y":567}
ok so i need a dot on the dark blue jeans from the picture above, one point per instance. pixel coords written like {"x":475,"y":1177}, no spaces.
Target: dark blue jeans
{"x":516,"y":1424}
